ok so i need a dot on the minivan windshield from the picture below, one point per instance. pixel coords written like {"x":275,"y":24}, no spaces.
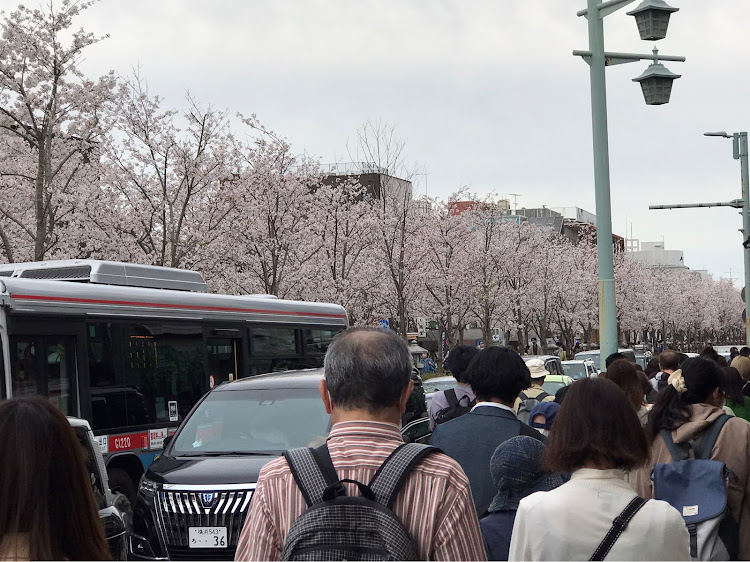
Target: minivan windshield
{"x":575,"y":370}
{"x":254,"y":421}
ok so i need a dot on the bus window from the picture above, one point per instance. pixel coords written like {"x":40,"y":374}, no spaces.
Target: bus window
{"x":272,"y":340}
{"x":25,"y":368}
{"x":164,"y":363}
{"x":274,"y":349}
{"x":316,"y":343}
{"x":58,"y":367}
{"x":44,"y":365}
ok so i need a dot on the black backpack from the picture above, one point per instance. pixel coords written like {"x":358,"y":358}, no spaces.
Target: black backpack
{"x":336,"y":526}
{"x":455,"y":408}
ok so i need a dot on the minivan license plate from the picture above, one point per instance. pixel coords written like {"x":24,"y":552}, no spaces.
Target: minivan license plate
{"x":207,"y":537}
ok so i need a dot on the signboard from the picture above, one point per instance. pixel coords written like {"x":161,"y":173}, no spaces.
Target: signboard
{"x":422,"y":327}
{"x":156,"y":438}
{"x":383,"y":324}
{"x":102,"y":441}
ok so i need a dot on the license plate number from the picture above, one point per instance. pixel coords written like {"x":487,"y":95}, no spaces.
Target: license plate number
{"x":207,"y":537}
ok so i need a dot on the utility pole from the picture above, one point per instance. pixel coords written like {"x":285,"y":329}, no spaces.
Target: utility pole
{"x":515,"y":197}
{"x":740,"y":152}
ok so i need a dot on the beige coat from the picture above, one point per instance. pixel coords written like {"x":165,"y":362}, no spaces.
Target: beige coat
{"x":732,"y":448}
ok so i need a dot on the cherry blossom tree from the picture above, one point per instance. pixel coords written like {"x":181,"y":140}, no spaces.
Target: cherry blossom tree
{"x":451,"y":249}
{"x":53,"y":118}
{"x":167,"y":171}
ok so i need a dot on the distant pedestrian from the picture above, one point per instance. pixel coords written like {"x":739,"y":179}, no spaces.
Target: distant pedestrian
{"x":709,"y":352}
{"x":733,"y":352}
{"x":596,"y":437}
{"x":745,"y":351}
{"x":652,"y":367}
{"x":365,"y":390}
{"x":687,"y":409}
{"x":517,"y":472}
{"x":623,"y":373}
{"x":742,"y":364}
{"x":535,"y":393}
{"x":616,"y":356}
{"x":736,"y":400}
{"x":497,"y":375}
{"x":542,"y":416}
{"x":47,"y":505}
{"x":669,"y":362}
{"x":560,"y":394}
{"x":462,"y":398}
{"x":533,"y":348}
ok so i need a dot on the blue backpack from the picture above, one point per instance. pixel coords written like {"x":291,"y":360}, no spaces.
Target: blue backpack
{"x":697,"y":488}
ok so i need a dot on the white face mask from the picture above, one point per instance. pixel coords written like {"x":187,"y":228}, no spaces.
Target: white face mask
{"x":544,"y":432}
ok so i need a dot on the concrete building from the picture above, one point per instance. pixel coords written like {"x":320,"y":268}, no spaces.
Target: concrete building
{"x":376,"y":180}
{"x":573,"y":223}
{"x":654,"y":255}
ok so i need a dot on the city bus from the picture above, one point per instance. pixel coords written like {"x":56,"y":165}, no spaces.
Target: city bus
{"x":132,"y":348}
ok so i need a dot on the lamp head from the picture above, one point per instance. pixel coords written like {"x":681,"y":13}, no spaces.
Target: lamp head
{"x":718,"y":134}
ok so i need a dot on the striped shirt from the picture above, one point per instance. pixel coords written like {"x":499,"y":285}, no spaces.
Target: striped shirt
{"x":435,"y":503}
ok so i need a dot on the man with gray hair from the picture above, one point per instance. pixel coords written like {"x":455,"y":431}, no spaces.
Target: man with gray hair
{"x":365,"y":390}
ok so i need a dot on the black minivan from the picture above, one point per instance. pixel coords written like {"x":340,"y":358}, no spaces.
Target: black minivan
{"x":192,"y":501}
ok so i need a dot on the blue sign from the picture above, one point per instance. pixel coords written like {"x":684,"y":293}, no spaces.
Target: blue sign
{"x":384,"y":324}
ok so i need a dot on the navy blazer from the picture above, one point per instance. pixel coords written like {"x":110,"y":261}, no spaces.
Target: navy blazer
{"x":472,"y":439}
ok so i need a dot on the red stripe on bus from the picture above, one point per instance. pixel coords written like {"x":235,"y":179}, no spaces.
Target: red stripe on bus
{"x":177,"y":306}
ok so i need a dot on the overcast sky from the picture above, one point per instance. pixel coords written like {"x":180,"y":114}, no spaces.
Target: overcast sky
{"x":486,"y":93}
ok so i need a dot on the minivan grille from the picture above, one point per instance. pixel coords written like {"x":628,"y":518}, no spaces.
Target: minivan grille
{"x":177,"y":511}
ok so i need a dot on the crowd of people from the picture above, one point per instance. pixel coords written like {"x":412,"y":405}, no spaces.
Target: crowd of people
{"x":575,"y":483}
{"x":628,"y":465}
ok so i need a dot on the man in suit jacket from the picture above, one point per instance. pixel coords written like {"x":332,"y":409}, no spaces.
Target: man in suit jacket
{"x":497,"y":375}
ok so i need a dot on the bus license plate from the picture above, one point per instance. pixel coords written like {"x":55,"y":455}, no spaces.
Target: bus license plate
{"x":207,"y":537}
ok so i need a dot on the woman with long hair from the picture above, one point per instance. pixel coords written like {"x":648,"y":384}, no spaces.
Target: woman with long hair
{"x":596,"y":436}
{"x":688,"y":407}
{"x":47,"y":507}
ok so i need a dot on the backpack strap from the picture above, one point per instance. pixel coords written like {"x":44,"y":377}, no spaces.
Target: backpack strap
{"x":710,"y":435}
{"x":678,"y":452}
{"x":541,"y":396}
{"x":390,"y":477}
{"x":451,"y":397}
{"x":523,"y":396}
{"x":618,"y":526}
{"x":313,"y":471}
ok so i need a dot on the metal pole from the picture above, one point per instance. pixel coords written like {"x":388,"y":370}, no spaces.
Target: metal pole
{"x":607,"y":308}
{"x":742,"y":139}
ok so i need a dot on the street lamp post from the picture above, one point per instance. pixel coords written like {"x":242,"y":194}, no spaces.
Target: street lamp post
{"x":650,"y":15}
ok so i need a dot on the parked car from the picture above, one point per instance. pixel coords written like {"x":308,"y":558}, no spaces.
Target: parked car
{"x":551,"y":362}
{"x":192,"y":501}
{"x":114,"y":526}
{"x":553,"y":383}
{"x":579,"y":369}
{"x":594,"y":356}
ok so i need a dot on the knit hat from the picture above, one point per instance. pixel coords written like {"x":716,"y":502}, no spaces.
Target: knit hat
{"x":516,"y":471}
{"x":548,"y":410}
{"x":742,"y":364}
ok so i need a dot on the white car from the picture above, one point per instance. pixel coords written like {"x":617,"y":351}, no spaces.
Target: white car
{"x":579,"y":369}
